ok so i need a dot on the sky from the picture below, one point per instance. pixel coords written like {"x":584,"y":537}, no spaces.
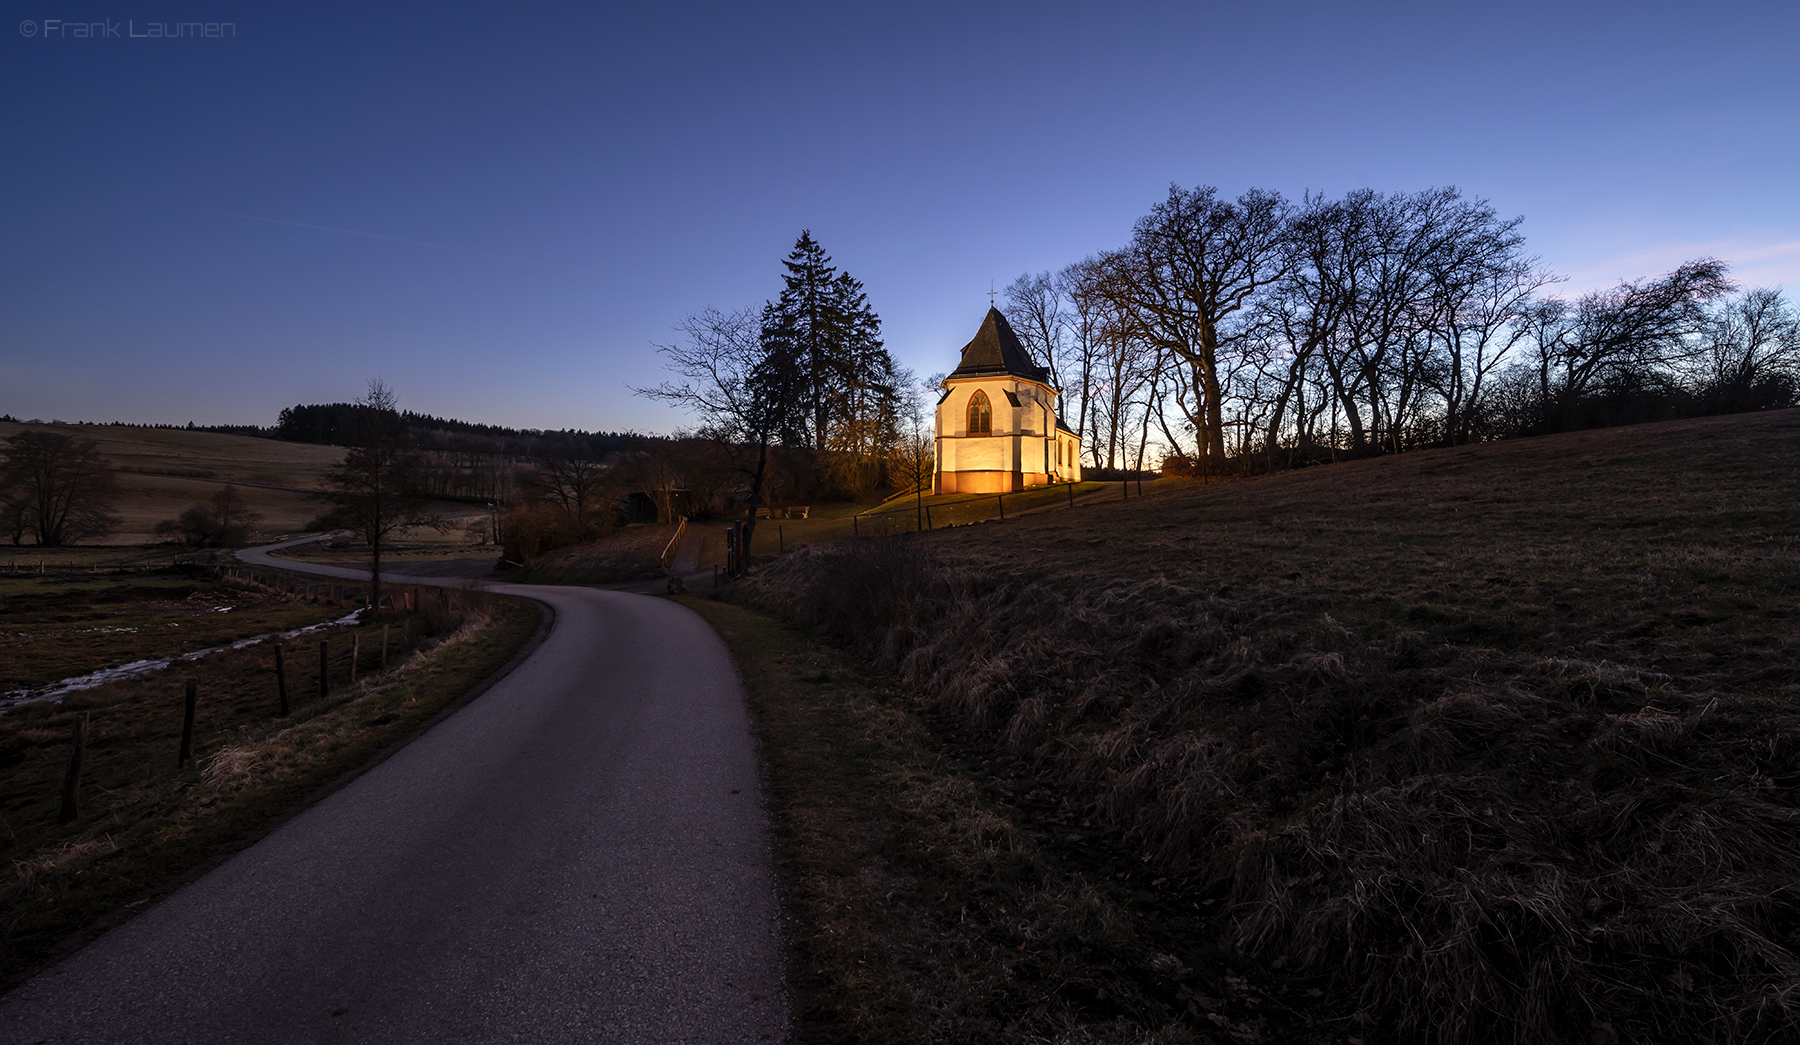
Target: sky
{"x":500,"y":211}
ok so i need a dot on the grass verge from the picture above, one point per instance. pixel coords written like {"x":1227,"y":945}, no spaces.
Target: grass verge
{"x":148,"y":825}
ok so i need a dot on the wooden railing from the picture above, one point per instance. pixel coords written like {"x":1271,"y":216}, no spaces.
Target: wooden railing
{"x":668,"y":555}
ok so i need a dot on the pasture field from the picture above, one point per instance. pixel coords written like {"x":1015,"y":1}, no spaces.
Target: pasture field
{"x":56,"y":627}
{"x":210,"y":455}
{"x":1497,"y":743}
{"x":146,"y":823}
{"x":162,"y":471}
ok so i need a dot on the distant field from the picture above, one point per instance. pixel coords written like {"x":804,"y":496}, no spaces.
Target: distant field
{"x":237,"y":458}
{"x":163,"y":470}
{"x":1496,"y":743}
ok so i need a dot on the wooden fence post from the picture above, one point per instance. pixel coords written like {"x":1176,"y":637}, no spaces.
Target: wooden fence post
{"x":928,"y":517}
{"x":71,"y":803}
{"x":355,"y":649}
{"x":1001,"y":501}
{"x":384,"y":644}
{"x":324,"y":671}
{"x":281,"y":679}
{"x":187,"y":724}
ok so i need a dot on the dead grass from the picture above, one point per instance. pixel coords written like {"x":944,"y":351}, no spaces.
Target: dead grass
{"x":629,"y":553}
{"x":59,"y":626}
{"x":921,"y":902}
{"x":1489,"y":744}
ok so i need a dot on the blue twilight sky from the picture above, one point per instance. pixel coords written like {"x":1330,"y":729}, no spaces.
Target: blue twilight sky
{"x":499,"y":209}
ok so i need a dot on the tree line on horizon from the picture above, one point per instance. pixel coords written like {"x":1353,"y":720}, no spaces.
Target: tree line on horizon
{"x":1376,"y":323}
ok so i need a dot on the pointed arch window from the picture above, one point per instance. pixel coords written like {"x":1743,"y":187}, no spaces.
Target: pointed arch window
{"x":981,"y":414}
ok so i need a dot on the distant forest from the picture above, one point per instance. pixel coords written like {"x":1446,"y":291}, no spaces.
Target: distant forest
{"x":331,"y":424}
{"x":462,"y":460}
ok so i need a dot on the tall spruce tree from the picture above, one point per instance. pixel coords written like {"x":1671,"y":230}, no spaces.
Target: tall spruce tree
{"x":826,"y":328}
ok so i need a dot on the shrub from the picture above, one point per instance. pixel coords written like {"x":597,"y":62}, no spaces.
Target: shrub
{"x":533,"y":529}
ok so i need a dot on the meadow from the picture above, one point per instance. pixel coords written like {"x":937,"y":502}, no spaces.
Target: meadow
{"x":161,"y":471}
{"x":1497,"y":743}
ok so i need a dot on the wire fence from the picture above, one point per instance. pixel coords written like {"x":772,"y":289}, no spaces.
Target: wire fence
{"x":982,"y":507}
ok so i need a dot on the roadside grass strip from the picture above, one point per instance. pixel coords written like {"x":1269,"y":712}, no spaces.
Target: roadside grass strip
{"x":932,"y":895}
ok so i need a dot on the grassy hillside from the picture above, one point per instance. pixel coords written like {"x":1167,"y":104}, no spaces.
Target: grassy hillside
{"x":162,"y":471}
{"x":171,"y":451}
{"x":1496,"y":743}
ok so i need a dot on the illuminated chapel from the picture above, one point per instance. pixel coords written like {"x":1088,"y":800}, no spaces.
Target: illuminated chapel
{"x":997,"y":426}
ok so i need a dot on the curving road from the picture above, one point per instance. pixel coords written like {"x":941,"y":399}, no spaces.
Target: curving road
{"x":578,"y":855}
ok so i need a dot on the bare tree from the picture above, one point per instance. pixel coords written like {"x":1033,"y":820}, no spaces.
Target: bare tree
{"x":1034,"y":308}
{"x":577,"y":485}
{"x":1083,"y":285}
{"x":56,"y":488}
{"x":1120,"y":355}
{"x":745,"y":384}
{"x":221,"y":521}
{"x":1752,"y":342}
{"x":1484,"y":317}
{"x":1637,"y":327}
{"x":1194,"y":262}
{"x":913,"y":458}
{"x":371,"y":489}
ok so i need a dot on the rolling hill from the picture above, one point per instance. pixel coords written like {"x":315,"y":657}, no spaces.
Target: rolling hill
{"x":1490,"y":743}
{"x":162,"y":471}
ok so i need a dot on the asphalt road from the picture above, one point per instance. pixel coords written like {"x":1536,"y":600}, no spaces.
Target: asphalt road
{"x":578,"y":855}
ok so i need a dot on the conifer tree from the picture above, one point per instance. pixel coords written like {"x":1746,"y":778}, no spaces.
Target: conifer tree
{"x":831,"y":336}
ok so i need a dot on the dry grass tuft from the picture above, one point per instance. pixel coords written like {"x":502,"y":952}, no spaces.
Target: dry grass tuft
{"x":67,"y":859}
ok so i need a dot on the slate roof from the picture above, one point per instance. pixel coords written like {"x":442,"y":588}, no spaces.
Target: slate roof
{"x":995,"y":351}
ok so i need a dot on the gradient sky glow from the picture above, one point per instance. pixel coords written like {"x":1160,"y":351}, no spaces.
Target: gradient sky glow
{"x":498,"y":210}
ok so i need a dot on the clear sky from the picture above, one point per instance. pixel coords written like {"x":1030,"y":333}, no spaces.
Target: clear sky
{"x":498,"y":210}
